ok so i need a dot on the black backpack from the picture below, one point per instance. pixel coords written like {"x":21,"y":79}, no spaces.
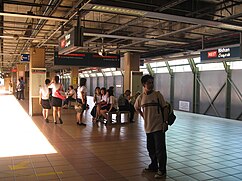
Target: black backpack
{"x":171,"y":115}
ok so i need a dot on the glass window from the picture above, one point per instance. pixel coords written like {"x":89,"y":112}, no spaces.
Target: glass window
{"x":93,"y":75}
{"x":117,"y":73}
{"x":235,"y":65}
{"x":184,"y":68}
{"x":108,"y":74}
{"x":145,"y":71}
{"x":178,"y":62}
{"x":99,"y":74}
{"x":86,"y":75}
{"x":197,"y":60}
{"x":211,"y":66}
{"x":162,"y":70}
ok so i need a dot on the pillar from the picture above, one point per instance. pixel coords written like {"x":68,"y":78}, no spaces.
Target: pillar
{"x":131,"y":63}
{"x":37,"y":76}
{"x":74,"y":77}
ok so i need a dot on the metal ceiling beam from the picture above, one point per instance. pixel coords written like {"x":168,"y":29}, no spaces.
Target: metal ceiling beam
{"x":163,"y":16}
{"x":134,"y":38}
{"x":19,"y":15}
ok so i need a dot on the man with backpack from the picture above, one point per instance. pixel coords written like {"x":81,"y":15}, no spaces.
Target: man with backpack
{"x":153,"y":108}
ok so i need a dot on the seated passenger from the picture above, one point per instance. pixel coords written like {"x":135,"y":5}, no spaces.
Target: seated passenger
{"x":102,"y":103}
{"x":111,"y":104}
{"x":71,"y":96}
{"x":124,"y":104}
{"x":96,"y":99}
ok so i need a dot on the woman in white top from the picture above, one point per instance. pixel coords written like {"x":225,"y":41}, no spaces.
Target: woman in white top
{"x":102,"y":103}
{"x":56,"y":102}
{"x":96,"y":99}
{"x":111,"y":104}
{"x":71,"y":96}
{"x":81,"y":98}
{"x":44,"y":101}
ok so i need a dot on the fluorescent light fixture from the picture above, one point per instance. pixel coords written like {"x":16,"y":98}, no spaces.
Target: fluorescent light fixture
{"x":118,"y":10}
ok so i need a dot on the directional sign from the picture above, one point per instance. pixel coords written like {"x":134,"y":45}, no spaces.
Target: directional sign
{"x":25,"y":58}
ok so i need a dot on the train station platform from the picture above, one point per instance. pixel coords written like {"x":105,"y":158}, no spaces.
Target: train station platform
{"x":199,"y":148}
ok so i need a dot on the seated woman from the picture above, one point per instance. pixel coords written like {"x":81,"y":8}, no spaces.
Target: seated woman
{"x":96,"y":99}
{"x":111,"y":104}
{"x":71,"y":96}
{"x":102,"y":103}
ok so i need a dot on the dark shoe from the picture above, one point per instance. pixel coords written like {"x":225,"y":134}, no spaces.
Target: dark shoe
{"x":150,"y":170}
{"x":61,"y":122}
{"x":55,"y":122}
{"x":77,"y":123}
{"x":83,"y":124}
{"x":46,"y":120}
{"x":160,"y":174}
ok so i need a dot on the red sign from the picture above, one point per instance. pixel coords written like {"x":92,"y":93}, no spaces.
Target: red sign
{"x":14,"y":70}
{"x":212,"y":54}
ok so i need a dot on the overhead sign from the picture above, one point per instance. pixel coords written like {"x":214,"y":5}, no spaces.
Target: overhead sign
{"x":223,"y":53}
{"x":25,"y":58}
{"x":87,"y":60}
{"x":70,"y":41}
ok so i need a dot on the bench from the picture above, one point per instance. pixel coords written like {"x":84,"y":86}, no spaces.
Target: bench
{"x":118,"y":115}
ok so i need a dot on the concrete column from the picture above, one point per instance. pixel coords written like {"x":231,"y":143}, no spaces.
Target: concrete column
{"x":37,"y":60}
{"x":74,"y":77}
{"x":131,"y":63}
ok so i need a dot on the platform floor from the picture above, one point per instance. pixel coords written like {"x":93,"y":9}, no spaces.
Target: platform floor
{"x":199,"y":148}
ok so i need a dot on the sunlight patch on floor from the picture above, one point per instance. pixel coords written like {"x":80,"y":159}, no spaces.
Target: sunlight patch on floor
{"x":18,"y":133}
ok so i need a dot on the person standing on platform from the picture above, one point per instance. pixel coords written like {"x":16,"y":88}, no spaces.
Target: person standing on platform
{"x":22,"y":85}
{"x":149,"y":105}
{"x":56,"y":102}
{"x":82,"y":99}
{"x":44,"y":101}
{"x":10,"y":86}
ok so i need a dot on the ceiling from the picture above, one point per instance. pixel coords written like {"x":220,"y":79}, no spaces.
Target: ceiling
{"x":153,"y":28}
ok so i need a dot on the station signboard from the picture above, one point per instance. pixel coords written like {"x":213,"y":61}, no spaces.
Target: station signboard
{"x":87,"y":60}
{"x":221,"y":54}
{"x":70,"y":41}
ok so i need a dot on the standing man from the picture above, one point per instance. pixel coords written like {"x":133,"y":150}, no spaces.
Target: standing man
{"x":22,"y":88}
{"x":150,"y":105}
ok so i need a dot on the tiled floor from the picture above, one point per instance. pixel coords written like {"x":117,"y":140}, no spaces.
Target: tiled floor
{"x":199,"y":148}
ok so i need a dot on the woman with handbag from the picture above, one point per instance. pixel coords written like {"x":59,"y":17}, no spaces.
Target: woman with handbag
{"x":82,"y":101}
{"x":57,"y":88}
{"x":44,"y":100}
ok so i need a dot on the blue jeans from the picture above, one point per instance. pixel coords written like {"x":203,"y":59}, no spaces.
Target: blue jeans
{"x":156,"y":146}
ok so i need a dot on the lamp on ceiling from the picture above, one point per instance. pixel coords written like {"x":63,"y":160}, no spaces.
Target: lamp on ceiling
{"x":101,"y":52}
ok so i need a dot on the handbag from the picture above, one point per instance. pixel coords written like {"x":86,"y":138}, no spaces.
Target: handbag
{"x":78,"y":107}
{"x":60,"y":94}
